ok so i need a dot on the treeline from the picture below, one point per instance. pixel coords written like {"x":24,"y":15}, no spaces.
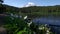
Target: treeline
{"x":33,"y":10}
{"x":41,"y":9}
{"x":6,"y":8}
{"x":37,"y":11}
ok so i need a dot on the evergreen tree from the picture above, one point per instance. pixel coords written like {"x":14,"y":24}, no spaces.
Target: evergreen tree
{"x":1,"y":1}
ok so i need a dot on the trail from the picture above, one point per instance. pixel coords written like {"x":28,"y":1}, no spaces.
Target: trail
{"x":2,"y":29}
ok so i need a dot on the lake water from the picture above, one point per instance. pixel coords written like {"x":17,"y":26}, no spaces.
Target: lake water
{"x":53,"y":22}
{"x":47,"y":20}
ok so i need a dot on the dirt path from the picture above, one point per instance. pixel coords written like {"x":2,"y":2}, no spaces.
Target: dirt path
{"x":2,"y":30}
{"x":1,"y":20}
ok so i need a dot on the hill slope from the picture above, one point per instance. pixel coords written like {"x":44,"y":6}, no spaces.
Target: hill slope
{"x":35,"y":10}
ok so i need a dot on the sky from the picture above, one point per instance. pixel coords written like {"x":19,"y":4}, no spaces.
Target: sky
{"x":26,"y":3}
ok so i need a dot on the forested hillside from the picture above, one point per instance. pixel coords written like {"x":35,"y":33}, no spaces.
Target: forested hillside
{"x":34,"y":11}
{"x":41,"y":10}
{"x":7,"y":8}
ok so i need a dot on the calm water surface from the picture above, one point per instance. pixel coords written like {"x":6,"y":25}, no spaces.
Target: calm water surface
{"x":47,"y":20}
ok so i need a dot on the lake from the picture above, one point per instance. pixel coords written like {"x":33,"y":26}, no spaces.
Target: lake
{"x":53,"y":22}
{"x":47,"y":20}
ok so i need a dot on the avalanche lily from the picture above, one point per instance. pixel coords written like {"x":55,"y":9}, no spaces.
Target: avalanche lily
{"x":25,"y":17}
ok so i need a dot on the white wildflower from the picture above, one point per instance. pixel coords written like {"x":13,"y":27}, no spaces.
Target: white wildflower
{"x":47,"y":30}
{"x":41,"y":28}
{"x":45,"y":24}
{"x":25,"y":17}
{"x":16,"y":16}
{"x":12,"y":14}
{"x":29,"y":23}
{"x":20,"y":16}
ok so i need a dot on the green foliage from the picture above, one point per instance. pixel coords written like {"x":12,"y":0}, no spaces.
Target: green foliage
{"x":18,"y":26}
{"x":14,"y":25}
{"x":2,"y":8}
